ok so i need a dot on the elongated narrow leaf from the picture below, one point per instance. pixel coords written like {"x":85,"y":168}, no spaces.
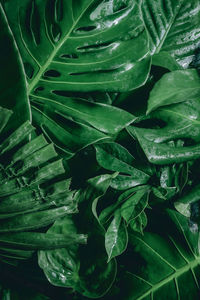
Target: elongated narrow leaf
{"x":34,"y":220}
{"x":39,"y":241}
{"x":173,"y":27}
{"x":116,"y":237}
{"x":135,"y":204}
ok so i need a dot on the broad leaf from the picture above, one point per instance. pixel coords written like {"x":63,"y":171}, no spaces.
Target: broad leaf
{"x":183,"y":204}
{"x":12,"y":77}
{"x":85,"y":269}
{"x":173,"y":27}
{"x":103,"y":117}
{"x":67,"y":135}
{"x":165,"y":60}
{"x":65,"y":44}
{"x":162,"y":145}
{"x":175,"y":87}
{"x":163,"y":264}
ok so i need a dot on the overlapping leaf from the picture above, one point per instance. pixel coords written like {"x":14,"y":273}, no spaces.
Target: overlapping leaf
{"x":173,"y":27}
{"x":85,"y":270}
{"x":32,"y":195}
{"x":177,"y":138}
{"x":12,"y":77}
{"x":114,"y":157}
{"x":164,"y":263}
{"x":65,"y":44}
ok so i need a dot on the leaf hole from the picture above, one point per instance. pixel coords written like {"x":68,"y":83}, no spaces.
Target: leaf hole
{"x":29,"y":70}
{"x":39,"y":89}
{"x":85,"y":29}
{"x":35,"y":23}
{"x":120,"y":7}
{"x":52,"y":73}
{"x":151,"y":124}
{"x":56,"y":32}
{"x":94,"y":47}
{"x":73,"y":56}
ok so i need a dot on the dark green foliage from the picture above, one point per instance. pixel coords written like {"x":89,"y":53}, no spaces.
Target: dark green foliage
{"x":99,"y":149}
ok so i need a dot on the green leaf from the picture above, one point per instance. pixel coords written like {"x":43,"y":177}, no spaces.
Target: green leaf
{"x":163,"y":264}
{"x":175,"y":87}
{"x":68,"y":135}
{"x":181,"y":123}
{"x":135,"y":203}
{"x":34,"y":220}
{"x":12,"y":77}
{"x":103,"y":117}
{"x":116,"y":237}
{"x":85,"y":269}
{"x":5,"y":116}
{"x":173,"y":27}
{"x":114,"y":157}
{"x":39,"y":241}
{"x":139,"y":223}
{"x":183,"y":203}
{"x":165,"y":60}
{"x":66,"y":44}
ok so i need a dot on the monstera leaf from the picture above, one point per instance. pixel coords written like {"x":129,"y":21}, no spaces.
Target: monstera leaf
{"x":69,"y":46}
{"x":12,"y":77}
{"x":173,"y":28}
{"x":176,"y":138}
{"x":65,"y":44}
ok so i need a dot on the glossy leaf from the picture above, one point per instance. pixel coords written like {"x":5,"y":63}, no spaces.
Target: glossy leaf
{"x":135,"y":204}
{"x":103,"y":117}
{"x":139,"y":223}
{"x":39,"y":241}
{"x":116,"y":237}
{"x":173,"y":27}
{"x":12,"y":77}
{"x":181,"y":121}
{"x":114,"y":157}
{"x":84,"y":269}
{"x":164,"y":263}
{"x":175,"y":87}
{"x":68,"y":135}
{"x":183,"y":203}
{"x":64,"y":45}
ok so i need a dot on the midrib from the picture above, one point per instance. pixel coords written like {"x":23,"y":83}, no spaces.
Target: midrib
{"x":168,"y":29}
{"x":175,"y":275}
{"x":54,"y":52}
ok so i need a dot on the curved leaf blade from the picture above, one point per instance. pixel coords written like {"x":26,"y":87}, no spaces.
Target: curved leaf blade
{"x":173,"y":27}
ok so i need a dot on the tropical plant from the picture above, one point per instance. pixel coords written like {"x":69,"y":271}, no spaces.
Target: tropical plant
{"x":99,"y":149}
